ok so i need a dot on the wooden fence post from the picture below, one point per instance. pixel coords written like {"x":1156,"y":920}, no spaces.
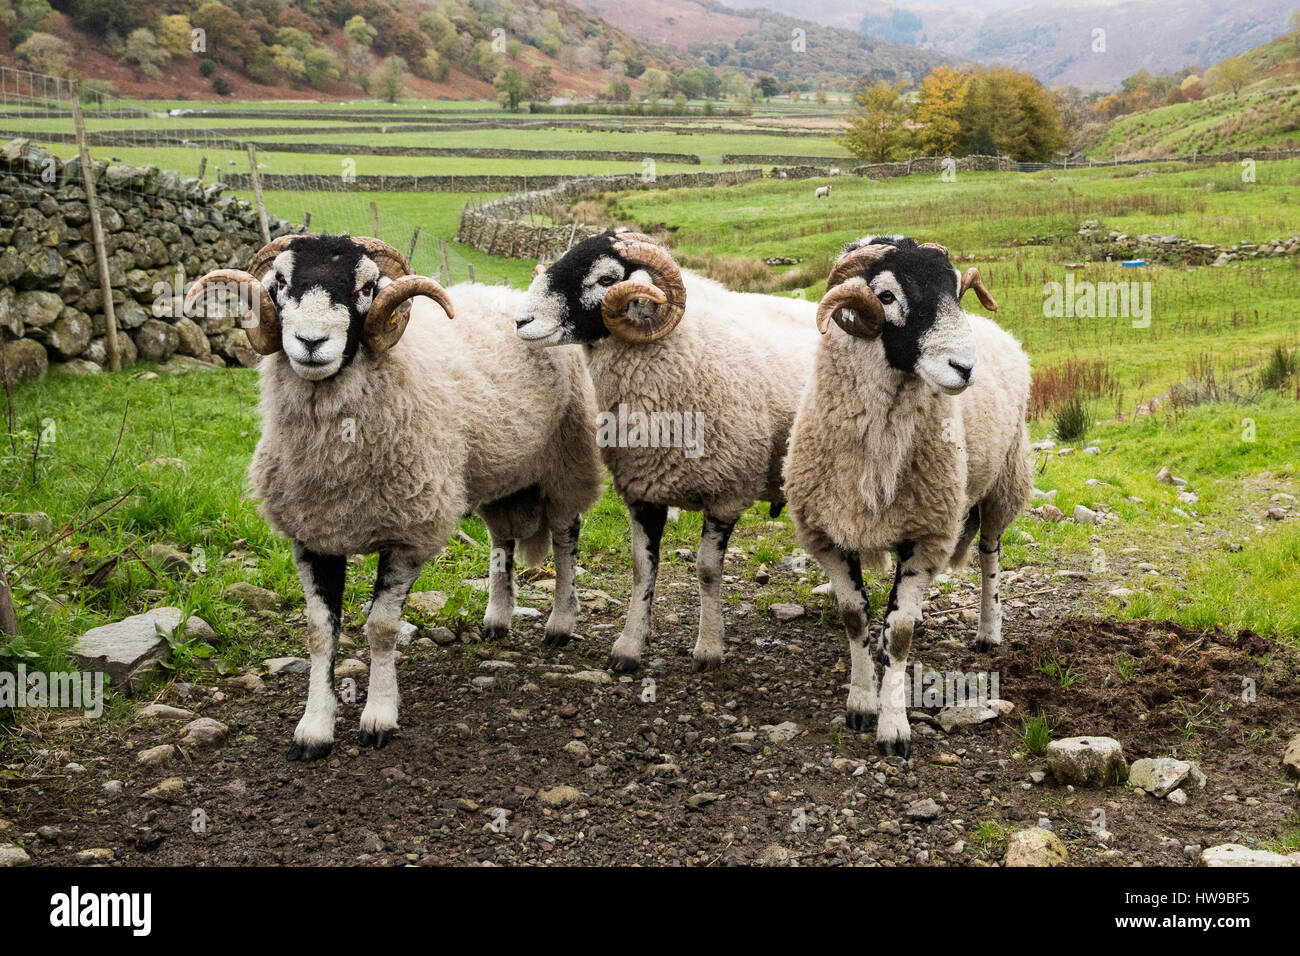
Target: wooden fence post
{"x":97,"y":231}
{"x":446,"y":269}
{"x":257,"y":192}
{"x":410,"y":251}
{"x":374,"y":218}
{"x":203,"y":166}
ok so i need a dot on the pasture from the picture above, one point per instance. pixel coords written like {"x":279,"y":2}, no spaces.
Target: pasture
{"x":1141,"y":626}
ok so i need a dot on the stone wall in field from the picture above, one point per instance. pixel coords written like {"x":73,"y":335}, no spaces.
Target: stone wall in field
{"x":508,"y":226}
{"x":161,"y":232}
{"x":935,"y":164}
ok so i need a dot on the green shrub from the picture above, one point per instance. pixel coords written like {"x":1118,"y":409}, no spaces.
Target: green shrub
{"x":1072,"y":420}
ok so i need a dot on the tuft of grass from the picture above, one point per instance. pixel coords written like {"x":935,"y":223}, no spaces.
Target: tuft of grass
{"x":1063,"y":674}
{"x":1072,"y":420}
{"x":989,"y":839}
{"x":1126,"y":667}
{"x":1035,"y":733}
{"x":1281,"y":367}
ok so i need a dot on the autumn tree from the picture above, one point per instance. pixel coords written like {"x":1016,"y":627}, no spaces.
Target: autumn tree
{"x":389,"y":81}
{"x":511,"y":87}
{"x":1230,"y":76}
{"x":940,"y":101}
{"x":876,"y":129}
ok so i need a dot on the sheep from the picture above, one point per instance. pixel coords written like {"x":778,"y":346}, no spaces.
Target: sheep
{"x":731,"y":364}
{"x":378,"y":441}
{"x":900,"y":446}
{"x":835,"y":170}
{"x":822,"y":192}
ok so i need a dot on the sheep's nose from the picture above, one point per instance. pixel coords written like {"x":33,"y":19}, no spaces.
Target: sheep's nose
{"x":962,"y":370}
{"x":311,"y":344}
{"x":522,"y":321}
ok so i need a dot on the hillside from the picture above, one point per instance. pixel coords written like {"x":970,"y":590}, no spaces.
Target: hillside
{"x":1053,"y":41}
{"x":1265,"y":113}
{"x":763,"y":41}
{"x":264,"y":50}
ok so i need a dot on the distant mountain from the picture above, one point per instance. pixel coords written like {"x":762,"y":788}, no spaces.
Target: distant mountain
{"x":767,"y":41}
{"x":1054,"y":41}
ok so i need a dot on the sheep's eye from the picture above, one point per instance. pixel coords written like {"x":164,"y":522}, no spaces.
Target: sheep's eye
{"x":606,"y":280}
{"x":368,"y":288}
{"x":886,"y":297}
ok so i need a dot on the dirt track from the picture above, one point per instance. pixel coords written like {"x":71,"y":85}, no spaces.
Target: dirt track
{"x":666,"y":781}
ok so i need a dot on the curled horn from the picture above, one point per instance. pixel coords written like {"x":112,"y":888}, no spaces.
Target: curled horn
{"x":849,"y":301}
{"x":933,"y":245}
{"x":668,"y":292}
{"x":391,"y":309}
{"x":972,"y":280}
{"x":261,"y":319}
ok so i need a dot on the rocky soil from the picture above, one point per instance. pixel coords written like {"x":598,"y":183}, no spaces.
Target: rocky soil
{"x":514,"y":754}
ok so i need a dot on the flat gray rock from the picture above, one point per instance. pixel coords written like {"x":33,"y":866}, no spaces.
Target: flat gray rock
{"x":1234,"y":854}
{"x":130,"y":649}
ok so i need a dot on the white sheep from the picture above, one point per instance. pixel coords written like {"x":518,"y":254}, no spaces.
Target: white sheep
{"x":835,"y":170}
{"x":669,"y":350}
{"x":822,"y":192}
{"x":378,"y":441}
{"x":910,"y":438}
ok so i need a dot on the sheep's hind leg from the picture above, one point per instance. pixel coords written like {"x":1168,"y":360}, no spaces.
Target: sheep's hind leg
{"x":912,"y":577}
{"x":398,"y":570}
{"x":647,"y":530}
{"x":322,"y":577}
{"x":845,"y":571}
{"x":564,"y":610}
{"x":501,"y":587}
{"x":709,"y":563}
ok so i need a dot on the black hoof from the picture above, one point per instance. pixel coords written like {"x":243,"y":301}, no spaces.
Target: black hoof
{"x":858,"y":720}
{"x":495,"y":633}
{"x":557,"y":640}
{"x":894,"y":748}
{"x":622,"y":665}
{"x":701,"y":664}
{"x":379,"y":741}
{"x":299,"y":751}
{"x":983,"y":647}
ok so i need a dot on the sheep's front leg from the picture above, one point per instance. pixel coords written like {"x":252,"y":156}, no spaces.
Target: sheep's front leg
{"x":564,"y":611}
{"x":398,"y":570}
{"x":708,"y":569}
{"x":322,"y":577}
{"x":501,"y":588}
{"x":912,"y":576}
{"x":989,"y":633}
{"x":845,"y":572}
{"x":647,"y":530}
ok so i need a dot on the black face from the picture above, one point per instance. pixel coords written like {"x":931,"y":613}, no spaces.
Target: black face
{"x":924,"y":285}
{"x":563,"y":303}
{"x":323,"y":286}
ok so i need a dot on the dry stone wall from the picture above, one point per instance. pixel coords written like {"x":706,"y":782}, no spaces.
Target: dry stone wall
{"x":161,"y":232}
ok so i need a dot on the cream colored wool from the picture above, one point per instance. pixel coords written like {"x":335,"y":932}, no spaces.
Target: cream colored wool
{"x":739,"y":359}
{"x":877,"y":458}
{"x":398,"y":448}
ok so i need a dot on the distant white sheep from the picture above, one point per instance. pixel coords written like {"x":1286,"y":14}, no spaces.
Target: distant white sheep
{"x":822,"y":192}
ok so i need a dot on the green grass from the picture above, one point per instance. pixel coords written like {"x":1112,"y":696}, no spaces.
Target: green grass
{"x":1035,"y":733}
